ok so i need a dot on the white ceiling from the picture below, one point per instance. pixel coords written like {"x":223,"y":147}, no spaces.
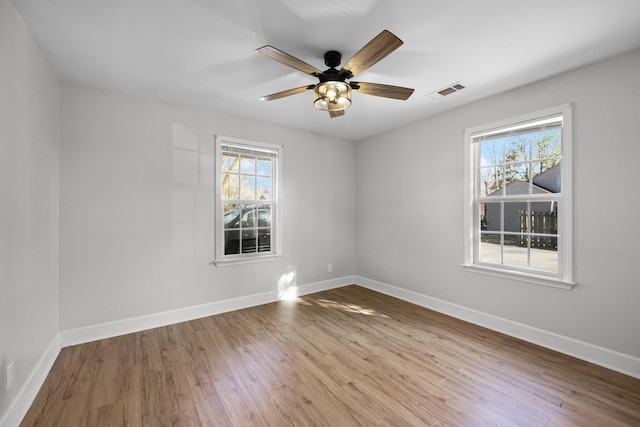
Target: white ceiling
{"x":200,"y":53}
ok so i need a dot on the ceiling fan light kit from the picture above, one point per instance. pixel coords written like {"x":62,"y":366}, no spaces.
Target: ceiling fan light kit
{"x":333,"y":92}
{"x":332,"y":96}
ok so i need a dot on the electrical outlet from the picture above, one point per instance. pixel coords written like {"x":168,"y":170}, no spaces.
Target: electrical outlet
{"x":330,"y":268}
{"x":9,"y":375}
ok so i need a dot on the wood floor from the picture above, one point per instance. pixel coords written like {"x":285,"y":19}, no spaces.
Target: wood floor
{"x":344,"y":357}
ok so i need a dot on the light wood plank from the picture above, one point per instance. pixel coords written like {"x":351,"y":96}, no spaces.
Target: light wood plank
{"x":344,"y":357}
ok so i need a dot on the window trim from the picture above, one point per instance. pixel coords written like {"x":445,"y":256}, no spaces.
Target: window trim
{"x":276,"y":215}
{"x":564,"y":280}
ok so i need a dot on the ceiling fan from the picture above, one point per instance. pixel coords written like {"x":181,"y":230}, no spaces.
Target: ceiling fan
{"x":333,"y":92}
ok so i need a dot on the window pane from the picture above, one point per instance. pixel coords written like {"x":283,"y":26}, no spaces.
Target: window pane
{"x":249,"y":223}
{"x":264,"y":217}
{"x":249,"y":240}
{"x":230,"y":163}
{"x":231,"y":216}
{"x":515,"y":251}
{"x":264,"y":240}
{"x":264,"y":188}
{"x":515,"y":217}
{"x":491,"y":152}
{"x":546,"y":144}
{"x":231,"y":242}
{"x":490,"y":181}
{"x":491,"y":216}
{"x":545,"y":259}
{"x":230,"y":186}
{"x":516,"y":179}
{"x":264,"y":167}
{"x":248,"y":165}
{"x":546,"y":175}
{"x":490,"y":250}
{"x":249,"y":217}
{"x":248,"y":187}
{"x":544,"y":222}
{"x":516,"y":240}
{"x":263,"y":214}
{"x":517,"y":148}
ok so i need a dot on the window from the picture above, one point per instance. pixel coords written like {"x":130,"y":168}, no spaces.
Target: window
{"x":247,"y":188}
{"x":518,"y":215}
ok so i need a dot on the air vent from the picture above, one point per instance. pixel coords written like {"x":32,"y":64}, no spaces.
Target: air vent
{"x":446,"y":91}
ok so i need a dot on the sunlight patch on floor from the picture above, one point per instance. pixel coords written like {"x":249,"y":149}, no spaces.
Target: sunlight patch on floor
{"x":350,"y":308}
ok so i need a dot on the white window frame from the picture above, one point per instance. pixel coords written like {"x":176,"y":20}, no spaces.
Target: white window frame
{"x":275,"y":152}
{"x":564,"y":278}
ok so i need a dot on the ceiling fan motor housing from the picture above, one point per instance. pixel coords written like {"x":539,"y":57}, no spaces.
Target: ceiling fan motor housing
{"x":332,"y":58}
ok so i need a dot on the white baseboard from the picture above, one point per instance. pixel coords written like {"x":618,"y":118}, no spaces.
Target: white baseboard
{"x":620,"y":362}
{"x":136,"y":324}
{"x":616,"y":361}
{"x":25,"y":397}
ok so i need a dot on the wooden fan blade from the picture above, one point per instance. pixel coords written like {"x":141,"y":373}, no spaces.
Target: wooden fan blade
{"x":381,"y":45}
{"x":386,"y":91}
{"x":288,"y":60}
{"x":286,"y":93}
{"x":337,"y":113}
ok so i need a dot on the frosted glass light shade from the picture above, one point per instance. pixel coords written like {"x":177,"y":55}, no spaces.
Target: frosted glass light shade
{"x":332,"y":96}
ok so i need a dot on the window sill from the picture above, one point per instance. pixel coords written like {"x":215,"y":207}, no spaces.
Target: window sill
{"x":520,"y":276}
{"x":246,"y":260}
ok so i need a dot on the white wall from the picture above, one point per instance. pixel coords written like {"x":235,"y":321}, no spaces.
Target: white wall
{"x":136,"y":212}
{"x":410,"y":209}
{"x":29,"y":159}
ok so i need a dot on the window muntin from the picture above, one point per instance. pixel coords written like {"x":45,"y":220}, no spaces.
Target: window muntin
{"x":247,"y":185}
{"x":519,"y":192}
